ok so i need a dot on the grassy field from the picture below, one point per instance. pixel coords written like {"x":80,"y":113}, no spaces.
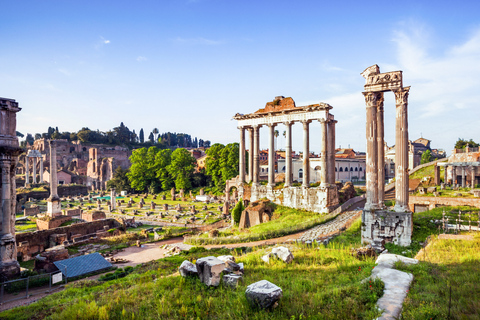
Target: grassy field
{"x":284,"y":221}
{"x":322,"y":282}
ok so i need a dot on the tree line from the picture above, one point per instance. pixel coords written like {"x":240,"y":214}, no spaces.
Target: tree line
{"x":154,"y":169}
{"x":122,"y":135}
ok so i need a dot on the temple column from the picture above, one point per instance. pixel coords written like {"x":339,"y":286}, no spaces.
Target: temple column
{"x":6,"y":197}
{"x":306,"y":154}
{"x":371,"y":99}
{"x":34,"y":170}
{"x":250,"y":155}
{"x":27,"y":171}
{"x":324,"y":155}
{"x":401,"y":150}
{"x":256,"y":152}
{"x":113,"y":199}
{"x":53,"y":202}
{"x":41,"y":169}
{"x":271,"y":155}
{"x":473,"y":177}
{"x":436,"y":177}
{"x":241,"y":162}
{"x":453,"y":175}
{"x":380,"y":153}
{"x":288,"y":154}
{"x":331,"y":152}
{"x":463,"y":177}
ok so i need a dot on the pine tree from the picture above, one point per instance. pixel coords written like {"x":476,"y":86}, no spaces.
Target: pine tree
{"x":141,"y":136}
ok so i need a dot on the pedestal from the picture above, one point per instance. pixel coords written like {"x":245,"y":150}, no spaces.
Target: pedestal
{"x":393,"y":227}
{"x":54,"y":207}
{"x":8,"y":265}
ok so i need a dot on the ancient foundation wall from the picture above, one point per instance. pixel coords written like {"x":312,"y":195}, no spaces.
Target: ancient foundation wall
{"x":321,"y":200}
{"x":63,"y":191}
{"x":390,"y":226}
{"x":433,"y":202}
{"x":30,"y":243}
{"x":53,"y":223}
{"x":31,"y":211}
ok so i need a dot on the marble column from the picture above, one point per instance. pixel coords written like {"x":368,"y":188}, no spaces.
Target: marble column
{"x":436,"y":177}
{"x":53,"y":202}
{"x":306,"y":154}
{"x":453,"y":174}
{"x":27,"y":171}
{"x":324,"y":154}
{"x":250,"y":154}
{"x":34,"y":170}
{"x":113,"y":199}
{"x":271,"y":155}
{"x":41,"y":169}
{"x":463,"y":177}
{"x":401,"y":150}
{"x":331,"y":152}
{"x":256,"y":152}
{"x":380,"y":154}
{"x":371,"y":99}
{"x":288,"y":154}
{"x":473,"y":177}
{"x":6,"y":197}
{"x":241,"y":161}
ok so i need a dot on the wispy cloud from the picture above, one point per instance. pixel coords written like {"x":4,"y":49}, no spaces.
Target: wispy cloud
{"x":101,"y":42}
{"x":197,"y":41}
{"x":141,"y":58}
{"x":64,"y":71}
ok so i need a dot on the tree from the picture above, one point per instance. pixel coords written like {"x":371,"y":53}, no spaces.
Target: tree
{"x":29,"y":139}
{"x":181,"y":168}
{"x":461,"y":144}
{"x":237,"y":211}
{"x":162,"y":160}
{"x":213,"y":164}
{"x":141,"y":136}
{"x":229,"y":161}
{"x":150,"y":137}
{"x":142,"y":175}
{"x":155,"y":132}
{"x":426,"y":157}
{"x":206,"y":143}
{"x":120,"y":180}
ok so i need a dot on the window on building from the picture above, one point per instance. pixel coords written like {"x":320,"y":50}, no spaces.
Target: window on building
{"x":335,"y":169}
{"x":360,"y":169}
{"x":356,"y":169}
{"x":300,"y":173}
{"x":283,"y":169}
{"x":351,"y":168}
{"x":346,"y":169}
{"x":341,"y":169}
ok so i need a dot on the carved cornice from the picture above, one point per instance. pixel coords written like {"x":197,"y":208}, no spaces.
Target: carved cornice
{"x":309,"y":108}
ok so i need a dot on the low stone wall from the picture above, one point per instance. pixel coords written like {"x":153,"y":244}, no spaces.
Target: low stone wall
{"x":31,"y":211}
{"x":51,"y":224}
{"x":318,"y":199}
{"x":72,"y":212}
{"x":349,"y":203}
{"x":433,"y":202}
{"x":63,"y":191}
{"x":31,"y":243}
{"x":93,"y":216}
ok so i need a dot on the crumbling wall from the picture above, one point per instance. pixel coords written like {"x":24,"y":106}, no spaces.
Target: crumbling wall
{"x":390,"y":226}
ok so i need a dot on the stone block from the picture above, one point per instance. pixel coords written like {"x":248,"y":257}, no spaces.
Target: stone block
{"x":231,"y":280}
{"x":188,"y":269}
{"x":283,"y":254}
{"x":263,"y":294}
{"x":209,"y":270}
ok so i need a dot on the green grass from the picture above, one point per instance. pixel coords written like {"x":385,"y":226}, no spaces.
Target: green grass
{"x":427,"y":171}
{"x":285,"y":221}
{"x":320,"y":283}
{"x":449,"y":193}
{"x":446,"y":264}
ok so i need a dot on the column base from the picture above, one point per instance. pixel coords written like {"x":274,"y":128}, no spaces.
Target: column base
{"x":400,"y":208}
{"x":9,"y":265}
{"x":388,"y":226}
{"x":54,"y":208}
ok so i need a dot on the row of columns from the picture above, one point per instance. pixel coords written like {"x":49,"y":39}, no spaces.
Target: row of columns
{"x":327,"y":171}
{"x":460,"y":170}
{"x":375,"y":162}
{"x":35,"y":160}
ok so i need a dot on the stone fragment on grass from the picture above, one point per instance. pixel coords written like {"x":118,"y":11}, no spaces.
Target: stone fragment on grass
{"x":263,"y":294}
{"x":231,"y":280}
{"x":226,"y":258}
{"x":188,"y":269}
{"x":266,"y":257}
{"x":209,"y":270}
{"x":283,"y":253}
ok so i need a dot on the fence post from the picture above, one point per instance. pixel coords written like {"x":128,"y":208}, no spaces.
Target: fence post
{"x":50,"y":283}
{"x":28,"y":282}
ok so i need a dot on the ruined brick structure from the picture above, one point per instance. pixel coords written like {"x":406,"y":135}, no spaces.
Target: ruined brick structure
{"x":92,"y":165}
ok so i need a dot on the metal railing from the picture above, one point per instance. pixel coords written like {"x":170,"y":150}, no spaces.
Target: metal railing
{"x":463,"y":221}
{"x":26,"y":287}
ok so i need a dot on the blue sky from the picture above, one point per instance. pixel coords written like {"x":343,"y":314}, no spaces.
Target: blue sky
{"x":190,"y":65}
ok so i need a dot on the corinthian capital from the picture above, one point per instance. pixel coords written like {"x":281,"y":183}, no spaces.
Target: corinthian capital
{"x":372,"y":99}
{"x":401,"y":96}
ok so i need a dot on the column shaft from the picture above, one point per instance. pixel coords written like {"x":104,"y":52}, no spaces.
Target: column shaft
{"x":401,"y":151}
{"x":271,"y":155}
{"x":288,"y":154}
{"x":34,"y":170}
{"x":41,"y":170}
{"x":53,"y":170}
{"x":331,"y":152}
{"x":324,"y":156}
{"x":250,"y":155}
{"x":473,"y":177}
{"x":463,"y":177}
{"x":6,"y":197}
{"x":256,"y":151}
{"x":306,"y":154}
{"x":372,"y":156}
{"x":380,"y":154}
{"x":27,"y":171}
{"x":241,"y":161}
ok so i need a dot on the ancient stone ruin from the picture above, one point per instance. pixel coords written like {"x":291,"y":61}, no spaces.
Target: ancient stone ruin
{"x":283,"y":110}
{"x":256,"y":213}
{"x":380,"y":225}
{"x":9,"y":151}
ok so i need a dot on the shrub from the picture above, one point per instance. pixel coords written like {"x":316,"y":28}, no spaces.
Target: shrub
{"x":237,"y":211}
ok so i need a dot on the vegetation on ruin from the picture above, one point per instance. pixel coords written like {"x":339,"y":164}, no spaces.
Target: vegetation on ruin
{"x":321,"y":282}
{"x":463,"y":143}
{"x":284,"y":221}
{"x":448,"y":192}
